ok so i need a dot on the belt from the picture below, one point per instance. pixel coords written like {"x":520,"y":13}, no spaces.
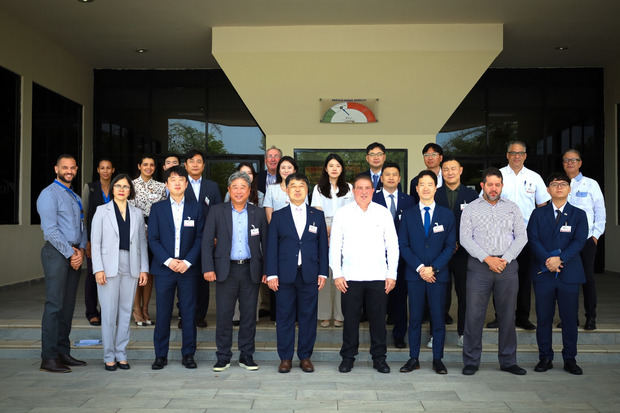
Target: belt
{"x":240,"y":262}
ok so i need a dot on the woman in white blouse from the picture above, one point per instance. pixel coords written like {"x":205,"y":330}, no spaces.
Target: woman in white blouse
{"x":275,"y":196}
{"x":329,"y":194}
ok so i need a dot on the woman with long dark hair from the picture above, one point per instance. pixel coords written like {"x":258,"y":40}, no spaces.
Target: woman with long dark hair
{"x":276,"y":197}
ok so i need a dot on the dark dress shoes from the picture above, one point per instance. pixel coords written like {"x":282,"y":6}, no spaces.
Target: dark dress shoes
{"x":285,"y":366}
{"x":346,"y":365}
{"x":525,"y":324}
{"x":188,"y":362}
{"x":572,"y":367}
{"x":159,"y":363}
{"x":109,"y":367}
{"x":94,"y":321}
{"x":590,"y":324}
{"x":410,"y":365}
{"x":439,"y":367}
{"x":306,"y":365}
{"x":399,"y":342}
{"x":493,"y":324}
{"x":514,"y":369}
{"x":123,"y":366}
{"x":470,"y":370}
{"x":67,"y":360}
{"x":54,"y":366}
{"x":543,"y":365}
{"x":381,"y":366}
{"x":201,"y":323}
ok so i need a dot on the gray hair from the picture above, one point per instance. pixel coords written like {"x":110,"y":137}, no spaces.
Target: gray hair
{"x":516,"y":142}
{"x":272,"y":147}
{"x":238,"y":175}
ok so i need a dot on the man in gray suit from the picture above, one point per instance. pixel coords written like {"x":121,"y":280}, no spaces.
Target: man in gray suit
{"x":235,"y":261}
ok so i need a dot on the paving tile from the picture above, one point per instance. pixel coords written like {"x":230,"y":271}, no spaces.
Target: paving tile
{"x":176,"y":393}
{"x":296,"y":405}
{"x":498,"y":396}
{"x":534,"y":407}
{"x":378,"y":405}
{"x":461,"y":406}
{"x":303,"y":394}
{"x":281,"y":393}
{"x":205,"y":403}
{"x":132,"y":410}
{"x":122,"y":402}
{"x":73,"y":410}
{"x":416,"y":395}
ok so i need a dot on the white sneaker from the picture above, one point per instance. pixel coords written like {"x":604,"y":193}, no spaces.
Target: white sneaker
{"x":459,"y":342}
{"x":430,"y":343}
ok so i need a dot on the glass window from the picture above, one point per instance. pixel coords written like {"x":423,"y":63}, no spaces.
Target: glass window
{"x":10,"y":84}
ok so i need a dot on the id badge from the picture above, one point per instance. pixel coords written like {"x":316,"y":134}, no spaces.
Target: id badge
{"x":565,"y":228}
{"x":254,"y":232}
{"x":437,"y":228}
{"x":207,"y":200}
{"x":188,"y":223}
{"x":312,"y":228}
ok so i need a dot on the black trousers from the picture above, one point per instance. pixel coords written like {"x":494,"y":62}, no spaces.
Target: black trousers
{"x":372,"y":294}
{"x":588,"y":254}
{"x":397,"y":304}
{"x":90,"y":292}
{"x":458,"y":271}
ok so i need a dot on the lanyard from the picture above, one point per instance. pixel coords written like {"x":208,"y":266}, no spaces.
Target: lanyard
{"x":77,"y":198}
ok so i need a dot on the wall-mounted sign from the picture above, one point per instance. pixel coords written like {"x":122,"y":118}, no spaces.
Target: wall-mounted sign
{"x":348,"y":110}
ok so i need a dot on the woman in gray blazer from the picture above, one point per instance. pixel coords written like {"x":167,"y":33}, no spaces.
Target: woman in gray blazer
{"x":120,"y":262}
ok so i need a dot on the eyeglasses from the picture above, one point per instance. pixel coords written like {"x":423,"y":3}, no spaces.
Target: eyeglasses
{"x":571,"y":160}
{"x":513,"y":153}
{"x":431,"y":155}
{"x":376,"y":154}
{"x":123,"y":187}
{"x":558,"y":185}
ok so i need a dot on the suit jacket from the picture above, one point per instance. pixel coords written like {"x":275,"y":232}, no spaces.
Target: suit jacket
{"x":208,"y":189}
{"x":544,"y":236}
{"x":404,"y":202}
{"x":216,"y":256}
{"x":95,"y":198}
{"x":379,"y":184}
{"x":261,"y":184}
{"x":105,"y":238}
{"x":435,"y":250}
{"x":465,"y":196}
{"x":161,"y":236}
{"x":284,"y":244}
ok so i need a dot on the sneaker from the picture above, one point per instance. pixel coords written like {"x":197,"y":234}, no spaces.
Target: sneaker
{"x":430,"y":343}
{"x":459,"y":341}
{"x":221,"y":365}
{"x":248,"y":363}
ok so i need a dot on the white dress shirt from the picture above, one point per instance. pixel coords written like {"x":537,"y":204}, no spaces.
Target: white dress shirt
{"x":177,"y":217}
{"x":585,"y":193}
{"x":360,"y":241}
{"x":299,"y":217}
{"x":331,"y":205}
{"x":526,"y":189}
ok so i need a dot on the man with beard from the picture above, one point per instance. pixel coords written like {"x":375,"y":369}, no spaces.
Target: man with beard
{"x":62,"y":222}
{"x":493,"y":233}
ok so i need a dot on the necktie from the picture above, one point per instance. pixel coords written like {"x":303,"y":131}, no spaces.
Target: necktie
{"x":557,"y":215}
{"x":427,"y":220}
{"x":375,"y":179}
{"x":392,"y":206}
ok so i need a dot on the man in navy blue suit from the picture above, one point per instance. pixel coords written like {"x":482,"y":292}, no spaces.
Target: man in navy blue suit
{"x":455,"y":196}
{"x":207,"y":194}
{"x":396,"y":202}
{"x":427,"y":239}
{"x":175,"y":234}
{"x":557,"y":232}
{"x":297,"y":266}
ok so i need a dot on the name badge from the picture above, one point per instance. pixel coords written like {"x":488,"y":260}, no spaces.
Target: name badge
{"x":463,"y":205}
{"x":581,"y":194}
{"x":399,"y":215}
{"x":254,"y":232}
{"x":565,"y":228}
{"x":312,"y":229}
{"x":437,"y":228}
{"x":188,"y":223}
{"x":207,"y":200}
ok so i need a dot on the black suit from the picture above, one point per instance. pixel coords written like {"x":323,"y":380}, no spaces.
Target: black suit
{"x":208,"y":191}
{"x":95,"y":198}
{"x":261,"y":184}
{"x":458,"y":262}
{"x":234,"y":281}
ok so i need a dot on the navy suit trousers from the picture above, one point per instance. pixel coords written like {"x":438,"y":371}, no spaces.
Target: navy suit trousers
{"x":419,"y":290}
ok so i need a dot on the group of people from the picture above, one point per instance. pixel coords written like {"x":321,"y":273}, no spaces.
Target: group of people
{"x":359,"y":250}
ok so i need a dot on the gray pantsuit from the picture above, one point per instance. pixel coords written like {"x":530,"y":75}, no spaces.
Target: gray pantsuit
{"x":116,"y":300}
{"x":481,"y":282}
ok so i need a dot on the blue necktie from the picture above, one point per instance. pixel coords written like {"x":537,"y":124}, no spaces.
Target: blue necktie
{"x":392,"y":206}
{"x":427,"y":220}
{"x":375,"y":179}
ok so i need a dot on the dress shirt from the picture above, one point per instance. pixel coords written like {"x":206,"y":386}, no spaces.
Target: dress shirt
{"x":496,"y":230}
{"x":360,"y":241}
{"x":526,"y":189}
{"x":585,"y":193}
{"x":147,"y":193}
{"x":177,"y":217}
{"x":331,"y":205}
{"x":195,"y":183}
{"x":276,"y":198}
{"x":388,"y":200}
{"x":239,"y":247}
{"x":374,"y":176}
{"x":271,"y":179}
{"x":124,"y":228}
{"x":299,"y":217}
{"x":430,"y":211}
{"x":452,"y":195}
{"x":61,"y":219}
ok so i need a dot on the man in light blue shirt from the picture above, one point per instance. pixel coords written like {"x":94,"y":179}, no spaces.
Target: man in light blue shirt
{"x":62,"y":222}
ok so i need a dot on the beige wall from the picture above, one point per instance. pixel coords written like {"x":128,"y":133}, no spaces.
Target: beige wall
{"x":612,"y":230}
{"x":37,"y":59}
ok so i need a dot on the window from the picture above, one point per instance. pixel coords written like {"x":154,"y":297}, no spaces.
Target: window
{"x":10,"y":84}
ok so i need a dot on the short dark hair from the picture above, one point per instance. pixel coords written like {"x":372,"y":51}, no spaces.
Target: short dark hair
{"x":449,"y":158}
{"x":571,"y":150}
{"x":172,"y":155}
{"x":193,"y":152}
{"x":105,"y":160}
{"x":360,"y":177}
{"x":558,"y":176}
{"x":288,"y":159}
{"x":390,"y":165}
{"x":427,"y":172}
{"x":435,"y":147}
{"x":146,"y":156}
{"x":297,"y":176}
{"x":491,"y":171}
{"x":175,"y":170}
{"x":375,"y":145}
{"x":65,"y":156}
{"x":132,"y":190}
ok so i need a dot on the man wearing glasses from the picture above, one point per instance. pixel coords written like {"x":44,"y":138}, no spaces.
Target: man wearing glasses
{"x":528,"y":190}
{"x":586,"y":194}
{"x":433,"y":156}
{"x":375,"y":156}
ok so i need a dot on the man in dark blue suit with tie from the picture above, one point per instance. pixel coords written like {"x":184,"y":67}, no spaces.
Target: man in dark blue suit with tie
{"x":396,"y":202}
{"x":297,"y":266}
{"x":175,"y":234}
{"x":427,"y":239}
{"x":557,"y":232}
{"x":206,"y":193}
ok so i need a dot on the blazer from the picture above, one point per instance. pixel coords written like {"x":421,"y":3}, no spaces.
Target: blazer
{"x":261,"y":184}
{"x":208,"y":189}
{"x":435,"y":250}
{"x":404,"y":202}
{"x":95,"y":198}
{"x":216,"y":256}
{"x":161,"y":236}
{"x":546,"y":236}
{"x":379,"y":184}
{"x":464,"y":197}
{"x":104,"y":241}
{"x":284,"y":244}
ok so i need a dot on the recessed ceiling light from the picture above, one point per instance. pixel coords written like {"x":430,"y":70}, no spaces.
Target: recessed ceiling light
{"x":85,"y":1}
{"x":561,"y":48}
{"x":140,"y":51}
